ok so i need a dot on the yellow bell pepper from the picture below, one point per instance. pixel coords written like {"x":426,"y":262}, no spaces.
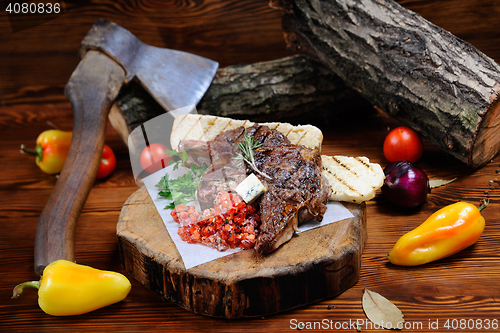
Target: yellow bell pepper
{"x":446,"y":232}
{"x":52,"y":147}
{"x":67,"y":289}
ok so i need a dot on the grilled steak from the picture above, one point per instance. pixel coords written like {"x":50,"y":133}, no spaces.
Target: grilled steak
{"x":296,"y":192}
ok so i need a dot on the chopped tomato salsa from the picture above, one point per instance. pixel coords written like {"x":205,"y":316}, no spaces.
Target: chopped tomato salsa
{"x":231,"y":223}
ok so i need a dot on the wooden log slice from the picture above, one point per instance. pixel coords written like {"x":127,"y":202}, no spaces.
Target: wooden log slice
{"x":313,"y":265}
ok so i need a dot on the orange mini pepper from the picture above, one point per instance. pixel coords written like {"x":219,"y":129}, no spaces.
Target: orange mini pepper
{"x":446,"y":232}
{"x":52,"y":147}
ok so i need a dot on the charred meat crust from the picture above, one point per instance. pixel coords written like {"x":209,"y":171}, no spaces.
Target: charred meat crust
{"x":297,"y":192}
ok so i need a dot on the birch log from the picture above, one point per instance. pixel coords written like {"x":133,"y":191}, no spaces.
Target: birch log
{"x":413,"y":70}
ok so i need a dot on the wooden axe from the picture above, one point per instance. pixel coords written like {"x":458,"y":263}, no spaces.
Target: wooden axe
{"x":111,"y":56}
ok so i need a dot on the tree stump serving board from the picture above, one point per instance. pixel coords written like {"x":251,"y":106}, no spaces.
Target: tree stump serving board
{"x":314,"y":265}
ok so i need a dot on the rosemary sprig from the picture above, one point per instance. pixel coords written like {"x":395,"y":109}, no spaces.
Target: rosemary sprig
{"x":246,"y":153}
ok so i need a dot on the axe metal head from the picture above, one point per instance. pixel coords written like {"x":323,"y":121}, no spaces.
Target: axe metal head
{"x":174,"y":78}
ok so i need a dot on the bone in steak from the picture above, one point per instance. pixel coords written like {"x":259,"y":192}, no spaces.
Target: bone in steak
{"x":297,"y":192}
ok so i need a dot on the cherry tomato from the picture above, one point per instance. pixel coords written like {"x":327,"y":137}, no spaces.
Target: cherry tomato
{"x":153,"y":157}
{"x":108,"y":163}
{"x":403,"y":144}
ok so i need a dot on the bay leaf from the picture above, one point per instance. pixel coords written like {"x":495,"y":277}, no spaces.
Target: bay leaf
{"x":381,"y":311}
{"x":433,"y":183}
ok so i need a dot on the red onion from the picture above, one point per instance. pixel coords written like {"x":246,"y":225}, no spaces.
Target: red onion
{"x":405,"y":184}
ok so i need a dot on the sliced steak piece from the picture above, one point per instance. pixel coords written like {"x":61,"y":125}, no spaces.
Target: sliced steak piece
{"x":297,"y":193}
{"x":279,"y":220}
{"x":215,"y":154}
{"x":212,"y":181}
{"x":197,"y":152}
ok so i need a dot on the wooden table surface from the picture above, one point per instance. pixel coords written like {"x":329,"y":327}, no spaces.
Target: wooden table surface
{"x":461,"y":291}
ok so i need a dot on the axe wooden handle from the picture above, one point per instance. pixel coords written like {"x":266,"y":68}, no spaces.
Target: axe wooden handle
{"x":92,"y":88}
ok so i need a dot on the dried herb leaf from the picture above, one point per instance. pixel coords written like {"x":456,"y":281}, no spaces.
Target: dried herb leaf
{"x":433,"y":183}
{"x":381,"y":311}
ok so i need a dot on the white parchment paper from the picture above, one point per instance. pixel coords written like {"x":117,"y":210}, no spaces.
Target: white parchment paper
{"x":196,"y":254}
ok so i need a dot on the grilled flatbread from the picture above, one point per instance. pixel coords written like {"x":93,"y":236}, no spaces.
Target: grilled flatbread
{"x":206,"y":128}
{"x":353,"y":179}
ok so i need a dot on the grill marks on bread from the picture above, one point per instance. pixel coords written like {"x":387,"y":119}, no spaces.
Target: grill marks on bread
{"x":352,"y":179}
{"x":341,"y":181}
{"x":206,"y":128}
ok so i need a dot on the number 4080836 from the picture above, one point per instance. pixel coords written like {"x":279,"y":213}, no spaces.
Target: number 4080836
{"x":33,"y":8}
{"x":462,"y":324}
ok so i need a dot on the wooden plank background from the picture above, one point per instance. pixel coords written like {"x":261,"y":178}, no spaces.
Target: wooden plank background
{"x":36,"y":63}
